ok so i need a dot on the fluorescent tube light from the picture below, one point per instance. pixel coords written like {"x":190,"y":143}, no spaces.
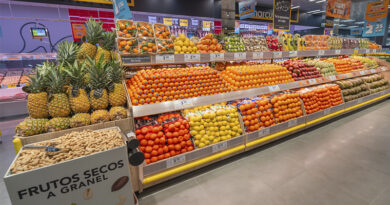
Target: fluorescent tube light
{"x":360,"y":22}
{"x":295,"y":7}
{"x":320,"y":1}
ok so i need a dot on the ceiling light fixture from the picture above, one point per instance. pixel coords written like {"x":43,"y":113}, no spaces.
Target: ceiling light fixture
{"x":309,"y":12}
{"x":320,"y":1}
{"x":360,"y":22}
{"x":295,"y":7}
{"x":348,"y":20}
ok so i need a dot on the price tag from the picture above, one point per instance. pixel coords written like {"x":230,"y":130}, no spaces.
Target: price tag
{"x":193,"y":57}
{"x":12,"y":86}
{"x":183,"y":22}
{"x":367,"y":50}
{"x":292,"y":53}
{"x":273,"y":88}
{"x":321,"y":52}
{"x":181,"y":104}
{"x":327,"y":112}
{"x":337,"y":52}
{"x":349,"y":75}
{"x":373,"y":70}
{"x":332,"y":78}
{"x":171,"y":162}
{"x":167,"y":21}
{"x":360,"y":100}
{"x":239,"y":56}
{"x":373,"y":50}
{"x":165,"y":58}
{"x":292,"y":122}
{"x":218,"y":147}
{"x":217,"y":56}
{"x":258,"y":55}
{"x":152,"y":19}
{"x":362,"y":72}
{"x":355,"y":51}
{"x":278,"y":54}
{"x":263,"y":132}
{"x":312,"y":81}
{"x":206,"y":24}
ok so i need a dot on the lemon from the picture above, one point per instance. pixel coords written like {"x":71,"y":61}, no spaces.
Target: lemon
{"x":197,"y":142}
{"x":201,"y":145}
{"x":223,"y":138}
{"x":177,"y":48}
{"x":202,"y":132}
{"x":198,"y":137}
{"x":211,"y":138}
{"x":179,"y":43}
{"x":193,"y":132}
{"x":184,"y":49}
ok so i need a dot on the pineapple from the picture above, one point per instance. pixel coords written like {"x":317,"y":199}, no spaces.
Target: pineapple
{"x":99,"y":116}
{"x":116,"y":90}
{"x":80,"y":119}
{"x":37,"y":97}
{"x":98,"y":82}
{"x":94,"y":35}
{"x":78,"y":98}
{"x":117,"y":113}
{"x":31,"y":126}
{"x":107,"y":45}
{"x":57,"y":124}
{"x":58,"y":104}
{"x":67,"y":52}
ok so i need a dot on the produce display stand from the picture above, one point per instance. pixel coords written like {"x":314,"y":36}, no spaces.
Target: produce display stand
{"x":163,"y":170}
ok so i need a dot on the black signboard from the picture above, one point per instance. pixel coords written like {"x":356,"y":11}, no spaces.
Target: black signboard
{"x":136,"y":59}
{"x":282,"y":15}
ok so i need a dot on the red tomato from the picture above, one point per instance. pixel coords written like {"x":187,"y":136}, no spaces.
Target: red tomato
{"x":144,"y":142}
{"x":140,"y":136}
{"x":183,"y":144}
{"x":189,"y":143}
{"x":169,"y":141}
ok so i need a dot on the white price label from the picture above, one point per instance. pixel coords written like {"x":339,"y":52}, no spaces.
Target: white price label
{"x":362,"y":72}
{"x":293,"y":53}
{"x":327,"y":112}
{"x":360,"y":100}
{"x":274,"y":88}
{"x":373,"y":50}
{"x":217,"y":56}
{"x":239,"y":56}
{"x":171,"y":162}
{"x":278,"y":54}
{"x":263,"y":132}
{"x":321,"y":52}
{"x":337,"y":52}
{"x":292,"y":122}
{"x":349,"y":75}
{"x":181,"y":104}
{"x":367,"y":50}
{"x":332,"y":78}
{"x":218,"y":147}
{"x":193,"y":57}
{"x":165,"y":58}
{"x":373,"y":70}
{"x":258,"y":55}
{"x":312,"y":81}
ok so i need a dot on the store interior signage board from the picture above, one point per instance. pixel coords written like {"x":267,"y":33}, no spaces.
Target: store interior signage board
{"x":282,"y":15}
{"x":121,"y":9}
{"x":247,"y":9}
{"x":338,"y":8}
{"x":375,"y":18}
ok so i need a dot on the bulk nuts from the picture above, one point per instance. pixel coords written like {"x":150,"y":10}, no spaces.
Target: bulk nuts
{"x":122,"y":199}
{"x":119,"y":183}
{"x":87,"y":194}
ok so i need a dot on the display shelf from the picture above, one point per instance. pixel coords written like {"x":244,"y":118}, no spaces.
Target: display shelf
{"x":156,"y":108}
{"x":131,"y":60}
{"x":261,"y":137}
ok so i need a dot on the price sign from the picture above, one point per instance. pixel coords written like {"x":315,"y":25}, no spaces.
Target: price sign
{"x":355,"y":51}
{"x":273,"y":88}
{"x":292,"y":122}
{"x":239,"y":56}
{"x":362,"y":72}
{"x":278,"y":54}
{"x":373,"y":70}
{"x":183,"y":22}
{"x":327,"y":112}
{"x":167,"y":21}
{"x":373,"y":50}
{"x":171,"y":162}
{"x":165,"y":58}
{"x":292,"y":53}
{"x":258,"y":55}
{"x":152,"y":19}
{"x":360,"y":100}
{"x":218,"y":147}
{"x":181,"y":104}
{"x":337,"y":52}
{"x":349,"y":75}
{"x":193,"y":57}
{"x":217,"y":56}
{"x":367,"y":50}
{"x":312,"y":81}
{"x":321,"y":52}
{"x":206,"y":24}
{"x":332,"y":78}
{"x":263,"y":132}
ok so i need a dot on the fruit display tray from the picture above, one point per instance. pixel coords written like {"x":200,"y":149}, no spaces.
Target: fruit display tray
{"x":129,"y":60}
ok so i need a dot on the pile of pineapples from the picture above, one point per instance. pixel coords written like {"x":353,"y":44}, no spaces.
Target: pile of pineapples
{"x":84,"y":87}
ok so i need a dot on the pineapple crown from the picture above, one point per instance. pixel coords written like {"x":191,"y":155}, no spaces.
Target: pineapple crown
{"x":115,"y":72}
{"x":56,"y":80}
{"x":75,"y":74}
{"x":67,"y":52}
{"x":94,"y":31}
{"x":36,"y":83}
{"x":98,"y":73}
{"x":108,"y":40}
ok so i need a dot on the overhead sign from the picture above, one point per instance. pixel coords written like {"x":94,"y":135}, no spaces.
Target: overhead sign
{"x":246,"y":9}
{"x":131,"y":2}
{"x":282,"y":15}
{"x":376,"y":16}
{"x":356,"y":31}
{"x":338,"y":8}
{"x":167,"y":21}
{"x":121,"y":9}
{"x":184,"y":22}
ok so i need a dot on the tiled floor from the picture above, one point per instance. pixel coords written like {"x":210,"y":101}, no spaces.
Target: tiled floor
{"x":346,"y":162}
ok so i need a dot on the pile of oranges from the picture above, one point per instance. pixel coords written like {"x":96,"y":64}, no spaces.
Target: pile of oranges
{"x":126,"y":28}
{"x":144,"y":29}
{"x":286,"y":106}
{"x":162,"y":31}
{"x":167,"y":84}
{"x":253,"y":76}
{"x":178,"y":136}
{"x":341,"y":65}
{"x":209,"y":44}
{"x":320,"y":97}
{"x":256,"y":113}
{"x":310,"y":100}
{"x":152,"y":142}
{"x":335,"y":94}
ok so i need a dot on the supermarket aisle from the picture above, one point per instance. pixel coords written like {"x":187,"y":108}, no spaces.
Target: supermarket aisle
{"x":343,"y":162}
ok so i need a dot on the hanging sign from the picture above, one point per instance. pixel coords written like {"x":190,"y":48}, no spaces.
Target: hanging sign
{"x":152,"y":19}
{"x":338,"y":8}
{"x":376,"y":16}
{"x":194,"y":22}
{"x":183,"y":22}
{"x":167,"y":21}
{"x":356,"y":31}
{"x":121,"y":9}
{"x":246,"y":9}
{"x":282,"y":15}
{"x":206,"y":24}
